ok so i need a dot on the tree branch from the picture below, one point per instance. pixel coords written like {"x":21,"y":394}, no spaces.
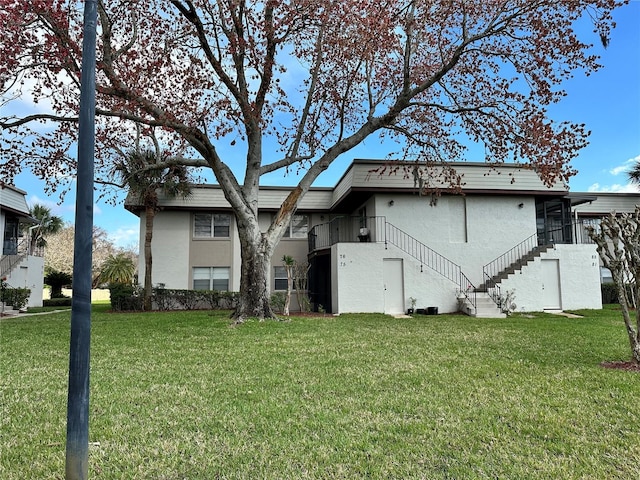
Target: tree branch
{"x":32,"y":118}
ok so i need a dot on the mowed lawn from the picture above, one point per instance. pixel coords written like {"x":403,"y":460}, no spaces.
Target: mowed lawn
{"x":184,"y":396}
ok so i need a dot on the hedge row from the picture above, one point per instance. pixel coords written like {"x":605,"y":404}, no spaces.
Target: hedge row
{"x":57,"y":302}
{"x":130,"y":298}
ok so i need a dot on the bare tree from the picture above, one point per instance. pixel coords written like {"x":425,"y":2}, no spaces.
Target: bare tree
{"x":618,"y":240}
{"x":58,"y":254}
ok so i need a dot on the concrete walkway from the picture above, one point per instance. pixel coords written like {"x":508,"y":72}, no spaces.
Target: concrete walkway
{"x":34,"y":314}
{"x":563,"y":314}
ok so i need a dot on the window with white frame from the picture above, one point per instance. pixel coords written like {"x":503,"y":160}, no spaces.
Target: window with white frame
{"x":208,"y":225}
{"x":280,"y":276}
{"x":298,"y":227}
{"x":211,"y":278}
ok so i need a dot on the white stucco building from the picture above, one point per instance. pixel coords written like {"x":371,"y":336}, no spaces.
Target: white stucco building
{"x":373,"y":243}
{"x":22,"y":267}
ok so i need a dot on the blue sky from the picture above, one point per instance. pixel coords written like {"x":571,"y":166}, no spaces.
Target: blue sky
{"x":608,"y":102}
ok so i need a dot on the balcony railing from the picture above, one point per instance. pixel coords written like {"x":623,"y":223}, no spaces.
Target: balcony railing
{"x":574,"y":232}
{"x":346,"y":230}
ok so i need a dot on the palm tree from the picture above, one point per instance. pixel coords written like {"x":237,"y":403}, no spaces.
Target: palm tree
{"x":47,"y":225}
{"x":634,"y":173}
{"x":118,"y":268}
{"x":146,"y":184}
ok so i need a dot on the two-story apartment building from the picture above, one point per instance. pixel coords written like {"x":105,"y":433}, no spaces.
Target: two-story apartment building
{"x":373,"y":243}
{"x":21,"y":267}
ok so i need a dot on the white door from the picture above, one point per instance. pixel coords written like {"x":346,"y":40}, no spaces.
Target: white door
{"x":551,"y":284}
{"x":393,"y":285}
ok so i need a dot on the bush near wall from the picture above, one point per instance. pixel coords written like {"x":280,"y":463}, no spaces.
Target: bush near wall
{"x":129,"y":298}
{"x":175,"y":299}
{"x":16,"y":297}
{"x":125,"y":297}
{"x":610,"y":293}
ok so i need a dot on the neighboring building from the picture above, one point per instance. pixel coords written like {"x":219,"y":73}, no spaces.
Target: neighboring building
{"x":373,"y":243}
{"x":594,"y":206}
{"x":22,"y":268}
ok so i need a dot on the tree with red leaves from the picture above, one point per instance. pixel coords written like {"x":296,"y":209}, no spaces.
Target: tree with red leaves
{"x":313,"y":77}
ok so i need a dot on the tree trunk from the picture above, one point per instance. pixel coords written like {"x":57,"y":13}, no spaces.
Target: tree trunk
{"x":287,"y":300}
{"x":633,"y":335}
{"x":256,"y":252}
{"x":148,"y":260}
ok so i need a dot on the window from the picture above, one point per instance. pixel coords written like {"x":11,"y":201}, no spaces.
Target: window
{"x":207,"y":225}
{"x":605,"y":275}
{"x":280,"y":276}
{"x":298,"y":227}
{"x":211,"y":278}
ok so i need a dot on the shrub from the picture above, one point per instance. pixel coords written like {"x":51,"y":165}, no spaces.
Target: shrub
{"x":277,"y":301}
{"x":610,"y":292}
{"x":129,"y":297}
{"x":57,"y":302}
{"x":125,"y":297}
{"x":56,"y":280}
{"x":176,"y":299}
{"x":16,"y":297}
{"x":163,"y":298}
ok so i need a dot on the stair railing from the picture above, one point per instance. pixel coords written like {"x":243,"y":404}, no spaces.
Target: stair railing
{"x":511,"y":258}
{"x":19,"y":252}
{"x":493,"y":289}
{"x":431,"y":259}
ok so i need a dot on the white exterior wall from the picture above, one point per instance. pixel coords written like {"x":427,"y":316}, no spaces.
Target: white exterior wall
{"x":29,"y":273}
{"x":357,"y":281}
{"x":169,"y":248}
{"x":579,"y":280}
{"x":470,"y":231}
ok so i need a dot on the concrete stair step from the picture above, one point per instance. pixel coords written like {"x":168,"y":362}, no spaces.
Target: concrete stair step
{"x":7,"y":310}
{"x":485,"y":307}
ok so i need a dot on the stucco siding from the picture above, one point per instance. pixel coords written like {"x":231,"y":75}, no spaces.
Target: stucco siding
{"x":579,"y":280}
{"x":358,"y":280}
{"x":169,"y":248}
{"x":29,"y":273}
{"x":470,"y":231}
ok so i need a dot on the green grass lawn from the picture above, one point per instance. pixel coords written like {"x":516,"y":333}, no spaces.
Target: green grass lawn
{"x":183,"y":396}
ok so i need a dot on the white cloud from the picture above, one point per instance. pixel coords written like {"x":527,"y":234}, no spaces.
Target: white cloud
{"x":125,"y":236}
{"x":615,"y":188}
{"x":625,"y":167}
{"x":60,"y":210}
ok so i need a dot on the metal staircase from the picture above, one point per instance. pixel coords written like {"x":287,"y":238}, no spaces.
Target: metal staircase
{"x":509,"y":263}
{"x":433,"y":260}
{"x":484,"y":301}
{"x":20,"y":251}
{"x":8,"y":263}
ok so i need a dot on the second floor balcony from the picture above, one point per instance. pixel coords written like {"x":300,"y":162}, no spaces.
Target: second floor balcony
{"x":347,"y":230}
{"x":352,"y":229}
